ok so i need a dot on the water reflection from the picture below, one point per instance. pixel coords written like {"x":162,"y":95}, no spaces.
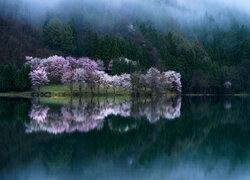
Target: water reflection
{"x":207,"y":141}
{"x":90,"y":114}
{"x":228,"y":105}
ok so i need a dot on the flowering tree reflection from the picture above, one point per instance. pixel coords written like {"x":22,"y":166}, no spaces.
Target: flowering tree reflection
{"x":155,"y":109}
{"x":89,"y":115}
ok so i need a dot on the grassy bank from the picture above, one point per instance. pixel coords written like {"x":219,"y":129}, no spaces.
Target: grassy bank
{"x":63,"y":91}
{"x":26,"y":94}
{"x":56,"y":91}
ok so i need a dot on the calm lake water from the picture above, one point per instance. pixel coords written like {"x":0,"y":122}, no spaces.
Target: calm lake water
{"x":192,"y":138}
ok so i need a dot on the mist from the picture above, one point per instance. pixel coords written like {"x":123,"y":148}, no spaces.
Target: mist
{"x":104,"y":14}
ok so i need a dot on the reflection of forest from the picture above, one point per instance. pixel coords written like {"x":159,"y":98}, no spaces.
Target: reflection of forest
{"x":89,"y":115}
{"x":206,"y":127}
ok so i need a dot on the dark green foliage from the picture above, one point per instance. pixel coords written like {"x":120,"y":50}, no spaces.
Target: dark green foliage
{"x":200,"y":63}
{"x":14,"y":79}
{"x":232,"y":74}
{"x":18,"y":40}
{"x":245,"y":49}
{"x":120,"y":67}
{"x":61,"y":36}
{"x":211,"y":52}
{"x":21,"y":79}
{"x":74,"y":30}
{"x":7,"y":77}
{"x":171,"y":46}
{"x":144,"y":59}
{"x":244,"y":71}
{"x":227,"y":47}
{"x":107,"y":48}
{"x":13,"y":111}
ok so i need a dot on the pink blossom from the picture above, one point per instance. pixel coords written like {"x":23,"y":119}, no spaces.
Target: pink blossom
{"x":72,"y":62}
{"x":89,"y":116}
{"x":100,"y":65}
{"x":55,"y":69}
{"x":173,"y":79}
{"x":227,"y":84}
{"x":110,"y":65}
{"x":38,"y":77}
{"x":87,"y":64}
{"x":79,"y":77}
{"x":125,"y":81}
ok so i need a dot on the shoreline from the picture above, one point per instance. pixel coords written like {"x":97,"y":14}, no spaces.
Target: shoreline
{"x":64,"y":94}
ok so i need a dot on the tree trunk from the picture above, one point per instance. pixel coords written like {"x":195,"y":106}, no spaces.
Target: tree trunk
{"x":80,"y":89}
{"x":91,"y":88}
{"x":39,"y":91}
{"x":71,"y":89}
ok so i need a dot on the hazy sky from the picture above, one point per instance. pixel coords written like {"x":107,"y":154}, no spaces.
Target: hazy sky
{"x":158,"y":11}
{"x":194,"y":5}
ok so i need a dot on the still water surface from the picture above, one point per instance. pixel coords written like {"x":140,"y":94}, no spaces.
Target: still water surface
{"x":112,"y":138}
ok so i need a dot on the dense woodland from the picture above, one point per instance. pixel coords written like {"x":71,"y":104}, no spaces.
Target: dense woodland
{"x":207,"y":58}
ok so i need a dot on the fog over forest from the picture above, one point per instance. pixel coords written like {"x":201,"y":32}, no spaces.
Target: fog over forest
{"x":206,"y":41}
{"x":163,"y":14}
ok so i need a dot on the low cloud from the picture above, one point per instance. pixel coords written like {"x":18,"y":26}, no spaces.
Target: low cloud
{"x":159,"y":12}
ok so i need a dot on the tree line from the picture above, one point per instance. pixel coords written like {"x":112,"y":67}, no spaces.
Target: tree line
{"x":205,"y":64}
{"x":87,"y":73}
{"x":64,"y":38}
{"x":206,"y":61}
{"x":14,"y":79}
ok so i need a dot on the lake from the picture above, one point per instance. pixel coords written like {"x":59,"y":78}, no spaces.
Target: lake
{"x":178,"y":138}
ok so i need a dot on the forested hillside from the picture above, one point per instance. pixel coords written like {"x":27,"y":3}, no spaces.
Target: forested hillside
{"x":19,"y":39}
{"x":210,"y":59}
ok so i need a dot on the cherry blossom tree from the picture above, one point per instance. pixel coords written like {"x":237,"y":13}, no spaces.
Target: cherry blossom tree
{"x":100,"y":65}
{"x":68,"y":76}
{"x":156,"y":81}
{"x":79,"y":75}
{"x":165,"y":84}
{"x":28,"y":58}
{"x":153,"y":79}
{"x":90,"y":78}
{"x":115,"y":82}
{"x":125,"y":81}
{"x":90,"y":67}
{"x":38,"y":78}
{"x":228,"y":85}
{"x":174,"y":79}
{"x":110,"y":65}
{"x":86,"y":71}
{"x":106,"y":81}
{"x":55,"y":69}
{"x":99,"y":79}
{"x":72,"y":62}
{"x":87,"y":64}
{"x":33,"y":62}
